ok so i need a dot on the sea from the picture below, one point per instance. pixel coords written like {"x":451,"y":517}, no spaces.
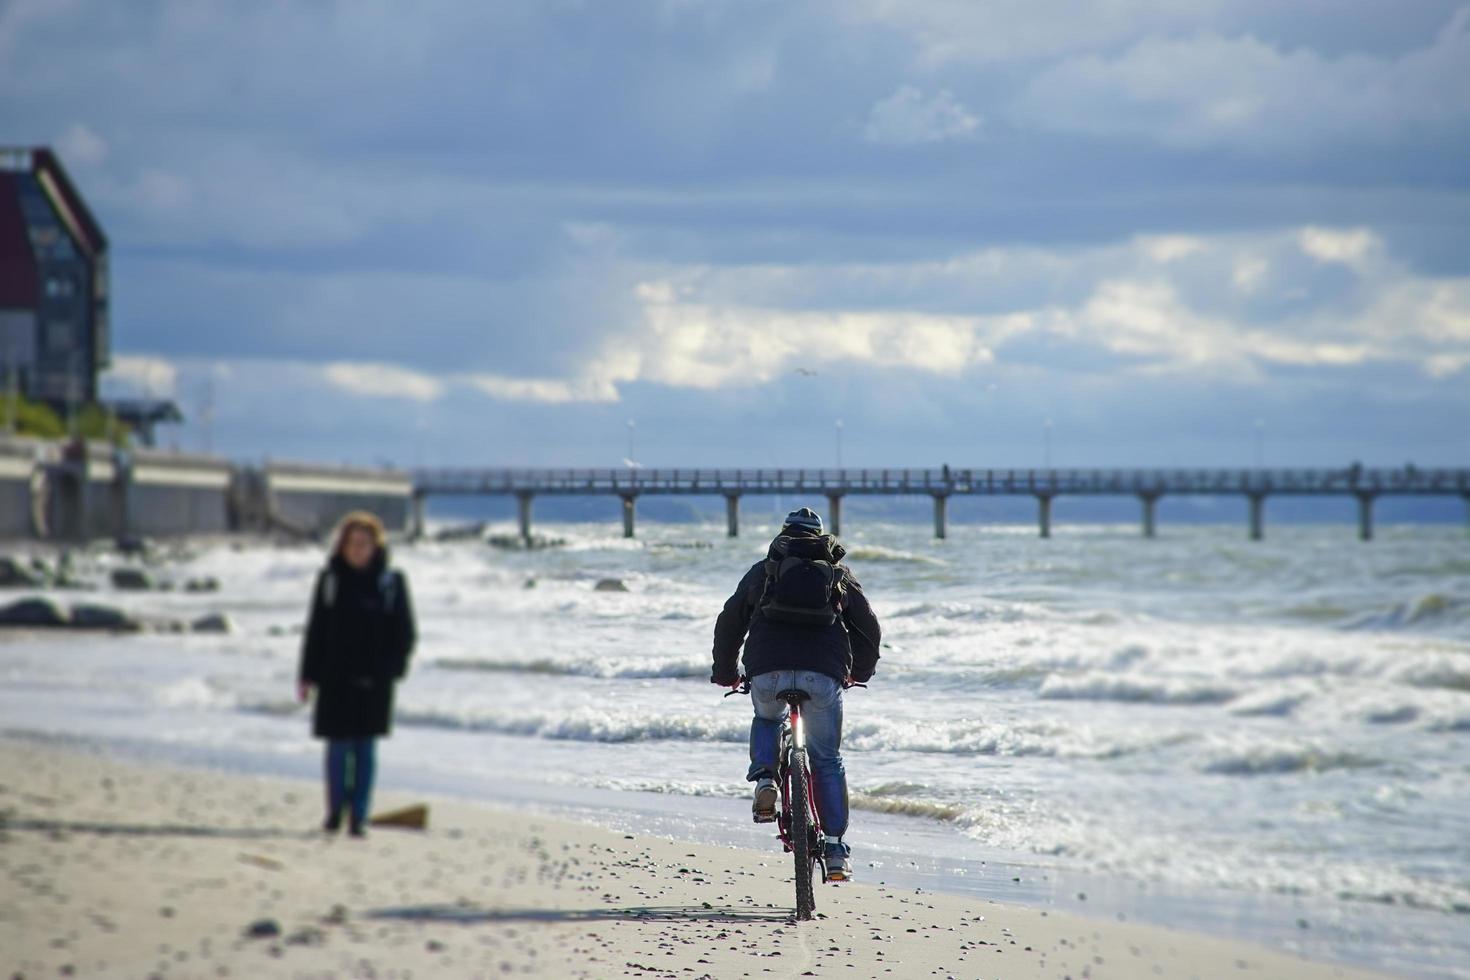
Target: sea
{"x":1267,"y":740}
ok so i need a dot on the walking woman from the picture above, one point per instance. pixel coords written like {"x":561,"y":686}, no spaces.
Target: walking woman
{"x":358,"y":640}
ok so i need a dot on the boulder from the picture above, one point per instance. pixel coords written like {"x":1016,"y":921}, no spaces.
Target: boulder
{"x":14,"y":575}
{"x":514,"y":542}
{"x":132,"y":580}
{"x":467,"y":532}
{"x":610,"y":585}
{"x":212,"y":623}
{"x":35,"y":611}
{"x":89,"y":617}
{"x":207,"y":584}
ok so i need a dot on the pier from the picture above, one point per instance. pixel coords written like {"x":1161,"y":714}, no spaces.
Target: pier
{"x":1044,"y":485}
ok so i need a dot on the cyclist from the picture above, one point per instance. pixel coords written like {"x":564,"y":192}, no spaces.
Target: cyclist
{"x":809,"y":627}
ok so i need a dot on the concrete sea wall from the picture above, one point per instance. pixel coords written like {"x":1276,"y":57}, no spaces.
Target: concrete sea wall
{"x":85,"y":491}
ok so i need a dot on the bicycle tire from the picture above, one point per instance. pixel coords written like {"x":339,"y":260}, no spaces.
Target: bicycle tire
{"x":801,"y":836}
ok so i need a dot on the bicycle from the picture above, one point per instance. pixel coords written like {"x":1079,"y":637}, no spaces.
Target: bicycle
{"x":798,"y":825}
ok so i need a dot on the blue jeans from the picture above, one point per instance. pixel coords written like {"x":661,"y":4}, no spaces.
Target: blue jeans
{"x":350,"y":765}
{"x":822,"y":716}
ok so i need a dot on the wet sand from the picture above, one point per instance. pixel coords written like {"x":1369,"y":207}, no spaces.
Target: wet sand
{"x":111,"y":868}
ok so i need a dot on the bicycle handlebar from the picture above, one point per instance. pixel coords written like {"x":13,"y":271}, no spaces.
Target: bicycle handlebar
{"x":744,"y":686}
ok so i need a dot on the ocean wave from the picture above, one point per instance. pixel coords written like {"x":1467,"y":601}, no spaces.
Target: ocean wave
{"x":1450,"y":723}
{"x":959,"y":738}
{"x":1268,"y":704}
{"x":600,"y":668}
{"x":875,"y":553}
{"x":1317,"y":611}
{"x":959,"y":611}
{"x":581,"y":726}
{"x":1135,"y":688}
{"x":977,"y":738}
{"x":275,"y":707}
{"x":1271,"y":760}
{"x":927,"y":809}
{"x":869,"y":801}
{"x":200,"y":693}
{"x":1445,"y":671}
{"x":1396,"y":714}
{"x":1430,"y":610}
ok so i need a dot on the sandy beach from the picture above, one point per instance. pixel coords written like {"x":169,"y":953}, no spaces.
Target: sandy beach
{"x":112,"y":868}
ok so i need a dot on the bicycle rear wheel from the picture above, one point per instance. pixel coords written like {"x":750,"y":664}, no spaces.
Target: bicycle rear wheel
{"x":802,"y":835}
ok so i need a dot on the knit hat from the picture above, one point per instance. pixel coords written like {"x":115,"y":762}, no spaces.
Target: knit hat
{"x":804,"y":519}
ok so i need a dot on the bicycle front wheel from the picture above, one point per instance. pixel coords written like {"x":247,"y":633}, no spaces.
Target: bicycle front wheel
{"x":802,"y":835}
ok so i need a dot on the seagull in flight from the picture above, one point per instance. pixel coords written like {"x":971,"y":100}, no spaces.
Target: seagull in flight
{"x":806,"y":372}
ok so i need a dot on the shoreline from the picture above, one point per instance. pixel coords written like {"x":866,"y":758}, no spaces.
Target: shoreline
{"x":115,"y":867}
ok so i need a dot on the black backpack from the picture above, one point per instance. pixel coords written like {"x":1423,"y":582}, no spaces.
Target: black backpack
{"x":803,"y":585}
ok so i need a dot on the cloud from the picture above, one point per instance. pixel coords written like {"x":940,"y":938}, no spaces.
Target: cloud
{"x":1349,"y":247}
{"x":19,"y":15}
{"x":693,"y":345}
{"x":548,"y":391}
{"x":908,"y":118}
{"x":82,"y":145}
{"x":1246,"y":94}
{"x":133,"y":375}
{"x":1005,"y":31}
{"x":1240,"y":305}
{"x":1150,"y":322}
{"x":383,"y":381}
{"x":1248,"y":273}
{"x":1171,"y":248}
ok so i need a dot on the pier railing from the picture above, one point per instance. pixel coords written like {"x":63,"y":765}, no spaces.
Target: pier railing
{"x":951,"y":481}
{"x":1364,"y":483}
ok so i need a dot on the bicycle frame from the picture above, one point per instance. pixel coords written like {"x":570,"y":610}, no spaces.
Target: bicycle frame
{"x":791,"y":761}
{"x":793,"y":739}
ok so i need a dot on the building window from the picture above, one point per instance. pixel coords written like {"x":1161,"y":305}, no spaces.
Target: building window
{"x":61,"y":336}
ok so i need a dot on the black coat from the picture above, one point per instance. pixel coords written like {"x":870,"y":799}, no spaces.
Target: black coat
{"x":847,"y":648}
{"x":358,"y":640}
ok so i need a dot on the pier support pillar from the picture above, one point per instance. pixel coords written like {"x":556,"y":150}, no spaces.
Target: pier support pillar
{"x":416,"y":517}
{"x":941,"y":515}
{"x":1365,"y":515}
{"x":523,"y":513}
{"x":1148,"y":500}
{"x":834,"y":513}
{"x":630,"y":511}
{"x":120,"y":503}
{"x":1258,"y":516}
{"x":732,"y":515}
{"x":69,"y":501}
{"x":1043,"y":513}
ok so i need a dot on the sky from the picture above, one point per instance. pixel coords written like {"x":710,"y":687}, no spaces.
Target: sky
{"x":1011,"y":233}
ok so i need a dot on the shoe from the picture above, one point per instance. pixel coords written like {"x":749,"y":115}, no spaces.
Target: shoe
{"x":763,"y":809}
{"x":332,"y":824}
{"x":839,"y":864}
{"x":356,"y":830}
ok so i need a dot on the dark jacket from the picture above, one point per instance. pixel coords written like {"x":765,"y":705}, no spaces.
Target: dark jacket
{"x":358,"y":640}
{"x":847,"y":648}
